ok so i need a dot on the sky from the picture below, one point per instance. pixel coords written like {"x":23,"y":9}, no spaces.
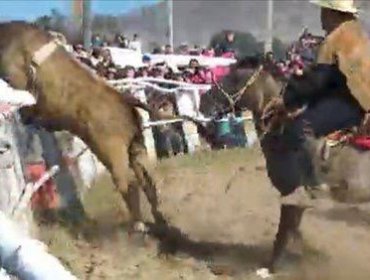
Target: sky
{"x":31,"y":9}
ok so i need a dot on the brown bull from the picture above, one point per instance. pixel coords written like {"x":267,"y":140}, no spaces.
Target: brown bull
{"x":344,"y":169}
{"x":71,"y":98}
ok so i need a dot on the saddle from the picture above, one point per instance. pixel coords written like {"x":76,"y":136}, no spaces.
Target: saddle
{"x":361,"y":142}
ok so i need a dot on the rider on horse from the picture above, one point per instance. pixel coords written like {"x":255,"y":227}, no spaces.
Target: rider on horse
{"x":347,"y":46}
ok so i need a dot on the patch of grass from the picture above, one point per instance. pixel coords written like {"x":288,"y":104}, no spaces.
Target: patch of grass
{"x":103,"y":198}
{"x":205,"y":159}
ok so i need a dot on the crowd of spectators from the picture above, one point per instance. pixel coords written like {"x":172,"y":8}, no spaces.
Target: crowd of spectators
{"x":299,"y":55}
{"x":100,"y":60}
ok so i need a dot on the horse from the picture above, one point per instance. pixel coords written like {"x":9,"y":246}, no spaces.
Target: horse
{"x":262,"y":87}
{"x":71,"y":98}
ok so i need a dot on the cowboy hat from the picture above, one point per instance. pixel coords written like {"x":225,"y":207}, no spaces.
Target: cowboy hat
{"x":346,"y":6}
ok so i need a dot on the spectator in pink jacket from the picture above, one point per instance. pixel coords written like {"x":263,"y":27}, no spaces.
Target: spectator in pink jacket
{"x":210,"y":52}
{"x":198,"y":75}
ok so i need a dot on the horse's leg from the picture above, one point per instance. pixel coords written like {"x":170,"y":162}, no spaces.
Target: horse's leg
{"x":113,"y":153}
{"x":290,"y":220}
{"x":120,"y":172}
{"x":138,"y":159}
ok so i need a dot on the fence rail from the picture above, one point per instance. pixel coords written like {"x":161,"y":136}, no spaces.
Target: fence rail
{"x":149,"y":80}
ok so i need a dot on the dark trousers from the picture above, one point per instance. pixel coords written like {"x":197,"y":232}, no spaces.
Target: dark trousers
{"x":288,"y":157}
{"x":328,"y":115}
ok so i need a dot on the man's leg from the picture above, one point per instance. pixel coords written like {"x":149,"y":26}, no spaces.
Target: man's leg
{"x":327,"y":116}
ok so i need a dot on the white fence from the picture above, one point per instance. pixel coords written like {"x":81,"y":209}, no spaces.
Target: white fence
{"x":188,"y":102}
{"x":187,"y":99}
{"x":127,"y":57}
{"x":83,"y":164}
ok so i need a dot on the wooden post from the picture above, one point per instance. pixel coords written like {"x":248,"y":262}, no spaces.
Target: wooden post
{"x":82,"y":163}
{"x":147,"y":131}
{"x":86,"y":23}
{"x":269,"y":27}
{"x":170,"y":22}
{"x":187,"y":104}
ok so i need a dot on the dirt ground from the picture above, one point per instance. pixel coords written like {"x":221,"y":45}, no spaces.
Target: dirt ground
{"x":227,"y":212}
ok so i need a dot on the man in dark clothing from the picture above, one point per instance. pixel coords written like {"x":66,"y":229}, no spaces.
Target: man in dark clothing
{"x":329,"y":107}
{"x":346,"y":50}
{"x":227,"y":45}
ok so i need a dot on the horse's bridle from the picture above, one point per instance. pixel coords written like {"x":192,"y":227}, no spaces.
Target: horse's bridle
{"x":37,"y":59}
{"x":235,"y":97}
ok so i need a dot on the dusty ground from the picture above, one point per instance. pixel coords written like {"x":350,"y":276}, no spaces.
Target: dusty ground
{"x":229,"y":226}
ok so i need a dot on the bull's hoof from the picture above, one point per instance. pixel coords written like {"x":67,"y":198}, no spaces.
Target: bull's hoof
{"x":264,"y":273}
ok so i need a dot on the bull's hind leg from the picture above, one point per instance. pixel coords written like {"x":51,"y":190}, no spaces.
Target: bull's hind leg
{"x":290,"y":220}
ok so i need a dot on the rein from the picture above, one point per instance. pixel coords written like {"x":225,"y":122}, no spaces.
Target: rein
{"x":235,"y":97}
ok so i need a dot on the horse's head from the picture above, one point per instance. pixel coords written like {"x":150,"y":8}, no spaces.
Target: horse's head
{"x":247,"y":86}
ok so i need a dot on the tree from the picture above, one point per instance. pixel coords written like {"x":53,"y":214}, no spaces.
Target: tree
{"x":58,"y":21}
{"x":279,"y":48}
{"x":44,"y":22}
{"x":246,"y":44}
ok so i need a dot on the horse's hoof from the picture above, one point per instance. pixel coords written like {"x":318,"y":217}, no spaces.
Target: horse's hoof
{"x":221,"y":270}
{"x":264,"y":273}
{"x":138,"y":234}
{"x":139,"y":227}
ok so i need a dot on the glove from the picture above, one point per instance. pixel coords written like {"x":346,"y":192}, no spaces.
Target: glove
{"x":275,"y":113}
